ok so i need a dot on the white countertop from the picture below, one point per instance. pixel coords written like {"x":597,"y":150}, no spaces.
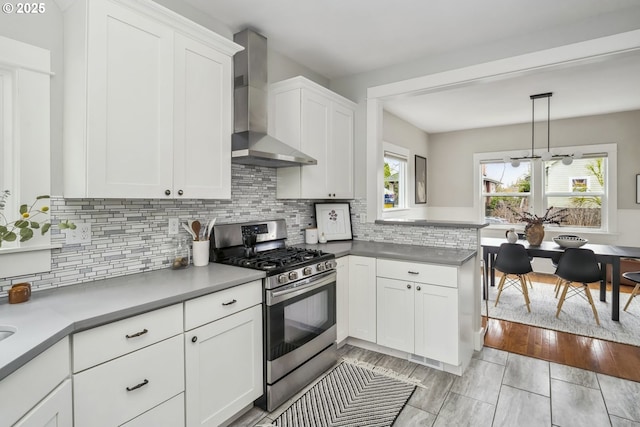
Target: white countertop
{"x":51,"y":315}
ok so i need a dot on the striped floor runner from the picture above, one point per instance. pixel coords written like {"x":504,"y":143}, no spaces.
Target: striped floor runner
{"x":349,"y":395}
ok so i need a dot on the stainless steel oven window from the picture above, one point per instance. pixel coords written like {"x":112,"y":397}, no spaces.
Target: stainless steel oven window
{"x":299,"y":316}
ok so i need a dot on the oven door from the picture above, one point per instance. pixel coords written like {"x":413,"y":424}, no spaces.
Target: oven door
{"x":300,"y":323}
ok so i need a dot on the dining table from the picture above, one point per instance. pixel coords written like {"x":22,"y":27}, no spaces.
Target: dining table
{"x":605,"y":254}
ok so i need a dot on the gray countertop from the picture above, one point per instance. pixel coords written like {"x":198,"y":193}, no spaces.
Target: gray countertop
{"x":427,"y":254}
{"x":51,"y":315}
{"x":432,"y":223}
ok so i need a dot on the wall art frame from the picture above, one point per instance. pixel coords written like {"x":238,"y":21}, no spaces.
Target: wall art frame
{"x":334,"y":220}
{"x":420,"y":180}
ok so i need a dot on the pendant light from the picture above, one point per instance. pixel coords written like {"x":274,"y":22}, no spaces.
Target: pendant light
{"x":566,"y":159}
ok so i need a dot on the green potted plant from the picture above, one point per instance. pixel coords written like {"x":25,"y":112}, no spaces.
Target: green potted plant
{"x":28,"y":221}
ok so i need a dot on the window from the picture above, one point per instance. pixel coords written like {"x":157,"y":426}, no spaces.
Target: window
{"x":585,"y":189}
{"x":395,"y":177}
{"x":584,"y":198}
{"x":505,"y":190}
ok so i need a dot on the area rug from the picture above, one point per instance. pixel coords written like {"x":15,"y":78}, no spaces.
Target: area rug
{"x":352,"y":394}
{"x":576,"y":316}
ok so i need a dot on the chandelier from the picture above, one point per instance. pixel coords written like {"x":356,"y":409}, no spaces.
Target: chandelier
{"x":566,"y":159}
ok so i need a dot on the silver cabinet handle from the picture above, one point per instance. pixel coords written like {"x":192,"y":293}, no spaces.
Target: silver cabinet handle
{"x":137,"y":334}
{"x":233,"y":301}
{"x":143,"y":383}
{"x":413,"y":272}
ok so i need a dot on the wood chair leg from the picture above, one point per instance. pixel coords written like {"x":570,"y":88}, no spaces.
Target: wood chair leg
{"x":562,"y":297}
{"x":525,"y":291}
{"x":558,"y":286}
{"x":593,"y":307}
{"x":633,"y":294}
{"x":500,"y":286}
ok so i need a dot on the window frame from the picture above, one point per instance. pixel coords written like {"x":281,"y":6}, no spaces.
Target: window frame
{"x":539,"y":196}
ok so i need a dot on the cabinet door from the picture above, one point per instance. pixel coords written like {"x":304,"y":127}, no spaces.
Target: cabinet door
{"x":54,"y":411}
{"x":316,"y":115}
{"x":130,"y":102}
{"x":362,"y":298}
{"x":395,"y":320}
{"x":223,"y":367}
{"x":342,"y":299}
{"x":339,"y":164}
{"x":436,"y":314}
{"x":202,"y":126}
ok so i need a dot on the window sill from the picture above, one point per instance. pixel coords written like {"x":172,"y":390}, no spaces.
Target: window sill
{"x":26,"y":260}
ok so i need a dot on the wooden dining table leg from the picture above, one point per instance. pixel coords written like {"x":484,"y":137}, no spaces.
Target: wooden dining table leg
{"x":603,"y":282}
{"x":485,"y":274}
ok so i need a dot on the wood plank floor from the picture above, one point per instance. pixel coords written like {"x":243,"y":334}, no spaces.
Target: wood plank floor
{"x":605,"y":357}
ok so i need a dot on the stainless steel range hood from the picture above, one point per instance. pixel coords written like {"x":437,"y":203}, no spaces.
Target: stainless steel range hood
{"x":250,"y":144}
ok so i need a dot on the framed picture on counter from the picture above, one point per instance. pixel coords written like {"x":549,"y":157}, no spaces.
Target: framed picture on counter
{"x":334,"y":220}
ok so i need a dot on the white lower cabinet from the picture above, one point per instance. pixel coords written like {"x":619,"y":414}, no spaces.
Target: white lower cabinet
{"x":223,"y":367}
{"x":418,"y":318}
{"x":437,"y":327}
{"x":396,"y":308}
{"x":54,"y":411}
{"x":117,"y":391}
{"x":342,"y":298}
{"x":419,"y":313}
{"x":362,"y":298}
{"x":36,"y":395}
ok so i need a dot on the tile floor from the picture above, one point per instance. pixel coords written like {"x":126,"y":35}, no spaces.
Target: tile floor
{"x":502,"y":389}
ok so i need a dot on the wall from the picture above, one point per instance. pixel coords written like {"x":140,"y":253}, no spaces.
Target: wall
{"x":451,"y":188}
{"x":404,"y":134}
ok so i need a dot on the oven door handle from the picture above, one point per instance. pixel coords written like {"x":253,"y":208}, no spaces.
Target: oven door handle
{"x":277,"y":296}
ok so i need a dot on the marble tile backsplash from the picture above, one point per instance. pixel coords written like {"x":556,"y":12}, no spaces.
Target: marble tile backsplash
{"x":131,"y":235}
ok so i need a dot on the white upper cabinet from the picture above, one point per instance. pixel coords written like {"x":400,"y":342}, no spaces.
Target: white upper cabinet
{"x":319,"y":123}
{"x":148,"y":98}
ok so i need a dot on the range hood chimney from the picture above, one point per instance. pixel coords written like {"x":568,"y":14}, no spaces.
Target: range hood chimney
{"x":250,"y":144}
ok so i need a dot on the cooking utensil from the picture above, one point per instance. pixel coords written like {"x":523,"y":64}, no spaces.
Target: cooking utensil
{"x":210,"y":228}
{"x":189,"y":230}
{"x":196,"y":226}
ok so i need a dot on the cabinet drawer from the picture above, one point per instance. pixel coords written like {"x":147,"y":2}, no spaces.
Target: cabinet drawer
{"x":107,"y":342}
{"x":117,"y":391}
{"x":168,"y":414}
{"x":418,"y":272}
{"x":215,"y":306}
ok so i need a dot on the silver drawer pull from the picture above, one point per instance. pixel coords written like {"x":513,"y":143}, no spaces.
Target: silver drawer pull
{"x":230,"y":302}
{"x":413,"y":272}
{"x":137,"y":334}
{"x":135,"y":387}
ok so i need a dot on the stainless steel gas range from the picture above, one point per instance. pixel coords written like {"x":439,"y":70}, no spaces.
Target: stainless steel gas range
{"x":300,"y":303}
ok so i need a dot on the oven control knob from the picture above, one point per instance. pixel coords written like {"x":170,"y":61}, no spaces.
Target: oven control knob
{"x":329,"y":265}
{"x":293,"y":275}
{"x":320,"y":267}
{"x":282,"y":278}
{"x":307,"y":271}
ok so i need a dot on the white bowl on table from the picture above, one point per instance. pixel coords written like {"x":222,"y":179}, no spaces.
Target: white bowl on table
{"x":569,"y":241}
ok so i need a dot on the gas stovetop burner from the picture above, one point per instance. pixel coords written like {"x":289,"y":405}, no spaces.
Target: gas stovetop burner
{"x":276,"y":259}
